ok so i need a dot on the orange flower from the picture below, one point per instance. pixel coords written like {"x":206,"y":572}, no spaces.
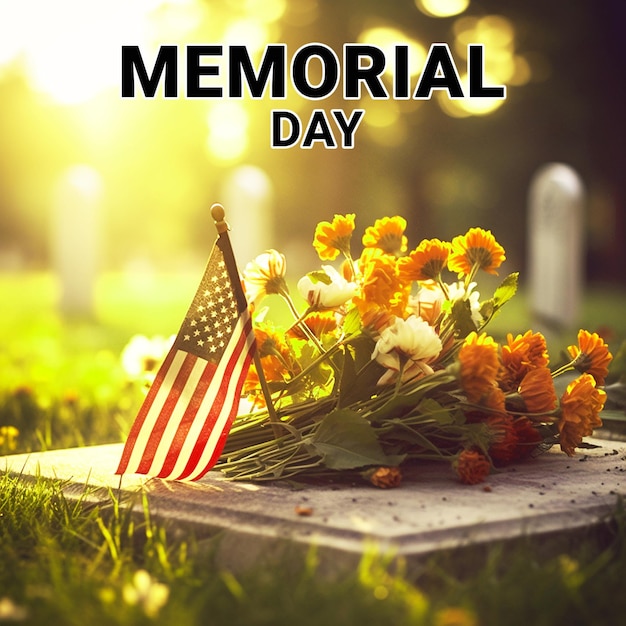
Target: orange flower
{"x":268,"y":341}
{"x":385,"y":477}
{"x":520,"y":355}
{"x":528,"y":438}
{"x":492,"y":403}
{"x":319,"y":323}
{"x":472,"y":467}
{"x":387,"y":234}
{"x":276,"y":355}
{"x":425,"y":262}
{"x":580,"y":412}
{"x":455,"y":616}
{"x":537,"y":391}
{"x":504,"y":438}
{"x":381,"y":285}
{"x":478,"y":358}
{"x":375,"y":318}
{"x":591,"y":355}
{"x":477,"y":249}
{"x":252,"y":388}
{"x":331,"y":239}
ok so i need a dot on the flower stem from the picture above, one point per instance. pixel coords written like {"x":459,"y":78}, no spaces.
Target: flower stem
{"x":299,"y":321}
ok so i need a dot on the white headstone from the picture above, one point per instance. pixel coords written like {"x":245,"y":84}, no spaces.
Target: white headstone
{"x":556,"y":245}
{"x":76,"y":238}
{"x":247,"y":196}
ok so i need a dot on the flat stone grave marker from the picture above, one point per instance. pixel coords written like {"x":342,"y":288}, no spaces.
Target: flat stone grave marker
{"x":555,"y":245}
{"x":552,"y":496}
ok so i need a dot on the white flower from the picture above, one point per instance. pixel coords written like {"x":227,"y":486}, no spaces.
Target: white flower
{"x":327,"y":289}
{"x":146,"y":592}
{"x":265,"y":275}
{"x":427,"y":302}
{"x":142,"y":356}
{"x":457,"y":291}
{"x":412,"y":339}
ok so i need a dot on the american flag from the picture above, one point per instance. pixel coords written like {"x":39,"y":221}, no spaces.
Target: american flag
{"x":182,"y":426}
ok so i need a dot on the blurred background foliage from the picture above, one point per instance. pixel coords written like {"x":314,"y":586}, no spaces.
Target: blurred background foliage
{"x":445,"y":165}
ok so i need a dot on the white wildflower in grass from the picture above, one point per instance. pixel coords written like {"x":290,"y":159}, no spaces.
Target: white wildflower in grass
{"x":458,"y":291}
{"x":142,"y":356}
{"x":150,"y":595}
{"x":406,"y":346}
{"x":326,"y":289}
{"x":265,"y":275}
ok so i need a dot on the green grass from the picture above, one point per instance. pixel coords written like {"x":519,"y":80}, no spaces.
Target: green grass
{"x":65,"y":562}
{"x":72,"y":563}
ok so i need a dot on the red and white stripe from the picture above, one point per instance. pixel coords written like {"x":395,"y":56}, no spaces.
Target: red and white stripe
{"x":182,"y":426}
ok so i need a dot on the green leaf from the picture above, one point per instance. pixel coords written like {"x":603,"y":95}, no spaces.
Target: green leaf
{"x":345,"y":440}
{"x":506,"y":290}
{"x":502,"y":295}
{"x":434,"y":409}
{"x":320,"y":276}
{"x":352,"y":322}
{"x":462,"y":317}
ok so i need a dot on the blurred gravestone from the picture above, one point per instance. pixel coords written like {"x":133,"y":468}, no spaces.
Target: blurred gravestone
{"x":555,"y":245}
{"x":247,"y":198}
{"x":75,"y":238}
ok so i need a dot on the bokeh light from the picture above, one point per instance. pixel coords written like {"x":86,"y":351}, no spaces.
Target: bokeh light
{"x":228,"y":131}
{"x":442,"y":8}
{"x":169,"y":158}
{"x":386,"y":38}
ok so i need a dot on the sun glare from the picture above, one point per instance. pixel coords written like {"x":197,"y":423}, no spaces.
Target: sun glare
{"x":227,"y":138}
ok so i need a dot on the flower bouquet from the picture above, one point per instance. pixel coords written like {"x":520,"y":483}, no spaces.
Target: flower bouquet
{"x":388,"y":362}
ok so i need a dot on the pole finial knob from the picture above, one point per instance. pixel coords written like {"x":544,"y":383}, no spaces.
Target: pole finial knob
{"x":218,"y":214}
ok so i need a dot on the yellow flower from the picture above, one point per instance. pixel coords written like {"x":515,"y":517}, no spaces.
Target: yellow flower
{"x":477,"y":249}
{"x":332,"y":238}
{"x":591,"y":355}
{"x":387,"y":234}
{"x":425,"y":262}
{"x":11,"y":612}
{"x":478,"y":358}
{"x":146,"y":592}
{"x":8,"y":438}
{"x":265,"y":275}
{"x":381,"y":285}
{"x":580,"y":412}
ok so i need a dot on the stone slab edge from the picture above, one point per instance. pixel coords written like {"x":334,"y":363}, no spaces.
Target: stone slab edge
{"x":428,"y":513}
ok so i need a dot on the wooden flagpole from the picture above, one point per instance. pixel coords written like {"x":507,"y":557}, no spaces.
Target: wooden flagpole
{"x":218,"y":214}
